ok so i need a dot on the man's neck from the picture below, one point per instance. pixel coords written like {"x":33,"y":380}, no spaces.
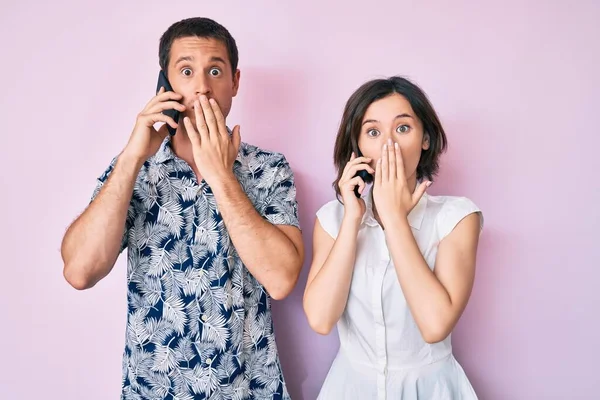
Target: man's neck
{"x":181,"y":145}
{"x":182,"y":148}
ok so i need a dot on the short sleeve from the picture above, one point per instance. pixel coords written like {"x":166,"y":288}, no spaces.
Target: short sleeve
{"x":330,"y":217}
{"x":281,"y":206}
{"x":130,"y":212}
{"x":455,"y":210}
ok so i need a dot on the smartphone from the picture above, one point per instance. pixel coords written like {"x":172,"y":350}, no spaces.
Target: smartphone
{"x":366,"y":177}
{"x":164,"y":82}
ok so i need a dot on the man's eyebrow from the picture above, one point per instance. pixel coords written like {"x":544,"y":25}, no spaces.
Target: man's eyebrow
{"x":184,"y":58}
{"x":217,"y":59}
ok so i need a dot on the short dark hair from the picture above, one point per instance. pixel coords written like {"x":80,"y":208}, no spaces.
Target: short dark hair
{"x":349,"y":130}
{"x":199,"y":27}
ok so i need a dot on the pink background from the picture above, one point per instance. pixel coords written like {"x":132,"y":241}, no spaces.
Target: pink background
{"x":516,"y":84}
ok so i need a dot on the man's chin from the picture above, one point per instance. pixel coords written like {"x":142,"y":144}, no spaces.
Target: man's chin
{"x":191,"y":117}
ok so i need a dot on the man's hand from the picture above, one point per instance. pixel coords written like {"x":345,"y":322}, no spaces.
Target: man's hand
{"x":145,"y":140}
{"x":93,"y":242}
{"x":214,"y":151}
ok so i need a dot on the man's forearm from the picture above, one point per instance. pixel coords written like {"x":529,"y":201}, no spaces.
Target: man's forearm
{"x":92,"y":243}
{"x":270,"y":256}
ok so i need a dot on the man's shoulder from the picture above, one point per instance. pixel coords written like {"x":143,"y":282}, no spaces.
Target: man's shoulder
{"x":249,"y":152}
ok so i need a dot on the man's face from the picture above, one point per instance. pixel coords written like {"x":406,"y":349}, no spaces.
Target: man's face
{"x":201,"y":66}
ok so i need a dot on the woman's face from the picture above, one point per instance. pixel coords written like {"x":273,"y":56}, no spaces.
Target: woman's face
{"x":393,"y":118}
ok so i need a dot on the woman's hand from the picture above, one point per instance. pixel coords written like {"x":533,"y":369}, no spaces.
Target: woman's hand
{"x":391,"y":194}
{"x":354,"y":208}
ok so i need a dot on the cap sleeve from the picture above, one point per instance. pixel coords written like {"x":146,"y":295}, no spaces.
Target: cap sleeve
{"x":101,"y":180}
{"x":281,"y":207}
{"x":454,"y":211}
{"x":330,"y":217}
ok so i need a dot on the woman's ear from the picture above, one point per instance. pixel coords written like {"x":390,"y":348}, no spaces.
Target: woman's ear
{"x":425,"y":145}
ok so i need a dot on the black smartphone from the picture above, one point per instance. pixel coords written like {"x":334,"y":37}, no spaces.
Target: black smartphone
{"x":164,"y":82}
{"x":366,"y":177}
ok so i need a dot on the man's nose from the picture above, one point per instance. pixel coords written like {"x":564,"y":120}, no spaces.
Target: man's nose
{"x":202,"y":86}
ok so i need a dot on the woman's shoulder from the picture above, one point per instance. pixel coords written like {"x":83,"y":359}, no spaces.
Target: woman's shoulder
{"x":331,"y":206}
{"x":443,"y":201}
{"x":450,"y":210}
{"x":330,"y":216}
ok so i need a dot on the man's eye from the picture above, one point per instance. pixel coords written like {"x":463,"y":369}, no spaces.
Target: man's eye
{"x":215,"y":72}
{"x":186,"y":72}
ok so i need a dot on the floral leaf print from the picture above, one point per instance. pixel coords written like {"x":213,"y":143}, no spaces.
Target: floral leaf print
{"x":151,"y":289}
{"x":209,"y":381}
{"x":238,"y":390}
{"x":174,"y":312}
{"x":212,"y":300}
{"x":189,"y":224}
{"x":136,"y":329}
{"x":228,"y":367}
{"x":146,"y":193}
{"x":154,"y":235}
{"x":184,"y":352}
{"x":186,"y":188}
{"x":208,"y":236}
{"x":198,"y":324}
{"x":160,"y":262}
{"x":215,"y":330}
{"x":194,"y":281}
{"x":180,"y":254}
{"x":155,"y":173}
{"x":164,"y":358}
{"x":267,"y":177}
{"x":161,"y":331}
{"x":169,"y":215}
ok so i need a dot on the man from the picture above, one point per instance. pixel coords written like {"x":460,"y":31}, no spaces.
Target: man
{"x":212,"y":232}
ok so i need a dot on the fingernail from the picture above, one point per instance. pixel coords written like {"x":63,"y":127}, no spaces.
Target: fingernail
{"x":385,"y":146}
{"x":389,"y":141}
{"x":396,"y":145}
{"x":428,"y":183}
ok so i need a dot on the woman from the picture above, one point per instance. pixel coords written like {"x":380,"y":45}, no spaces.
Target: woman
{"x":392,"y":266}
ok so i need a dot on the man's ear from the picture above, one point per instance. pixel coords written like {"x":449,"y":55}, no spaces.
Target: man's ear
{"x":236,"y":82}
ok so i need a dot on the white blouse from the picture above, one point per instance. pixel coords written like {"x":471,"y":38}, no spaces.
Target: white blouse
{"x":382,"y":354}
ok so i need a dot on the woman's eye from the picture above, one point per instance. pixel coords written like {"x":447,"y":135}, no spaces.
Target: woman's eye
{"x":215,"y":72}
{"x":403,"y":129}
{"x":373,"y":132}
{"x":186,"y":72}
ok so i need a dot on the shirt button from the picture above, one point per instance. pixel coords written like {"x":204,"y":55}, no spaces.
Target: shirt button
{"x":204,"y":318}
{"x":208,"y":360}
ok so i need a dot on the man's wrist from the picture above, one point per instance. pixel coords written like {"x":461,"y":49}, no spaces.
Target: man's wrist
{"x":130,"y":161}
{"x":224,"y":183}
